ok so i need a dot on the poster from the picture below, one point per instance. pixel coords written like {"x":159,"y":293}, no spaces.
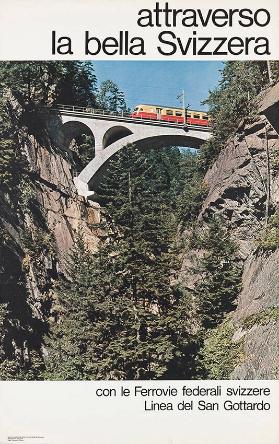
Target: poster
{"x":139,"y":227}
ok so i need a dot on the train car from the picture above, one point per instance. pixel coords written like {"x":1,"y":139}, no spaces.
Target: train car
{"x":170,"y":114}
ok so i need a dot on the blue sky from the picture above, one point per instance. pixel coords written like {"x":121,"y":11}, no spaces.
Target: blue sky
{"x":161,"y":82}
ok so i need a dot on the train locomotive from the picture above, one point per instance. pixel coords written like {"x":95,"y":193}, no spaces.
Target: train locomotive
{"x":170,"y":114}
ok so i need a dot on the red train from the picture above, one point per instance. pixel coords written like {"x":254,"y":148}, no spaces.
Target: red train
{"x":170,"y":114}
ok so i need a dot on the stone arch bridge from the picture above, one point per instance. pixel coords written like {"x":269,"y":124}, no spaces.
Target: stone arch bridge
{"x":113,"y":131}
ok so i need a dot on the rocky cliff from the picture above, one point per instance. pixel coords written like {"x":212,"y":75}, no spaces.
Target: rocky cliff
{"x":244,"y":188}
{"x":39,"y":222}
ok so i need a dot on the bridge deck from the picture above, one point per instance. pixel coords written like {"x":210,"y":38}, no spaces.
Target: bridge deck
{"x":123,"y":117}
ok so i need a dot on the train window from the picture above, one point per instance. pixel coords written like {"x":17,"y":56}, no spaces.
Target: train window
{"x":141,"y":109}
{"x":136,"y":109}
{"x":196,"y":116}
{"x":169,"y":112}
{"x":205,"y":117}
{"x":178,"y":113}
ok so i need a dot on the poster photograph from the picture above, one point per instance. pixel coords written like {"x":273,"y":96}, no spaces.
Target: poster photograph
{"x":139,"y":222}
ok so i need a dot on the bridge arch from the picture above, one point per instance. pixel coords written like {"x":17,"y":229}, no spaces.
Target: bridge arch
{"x":89,"y":178}
{"x":74,"y":128}
{"x":80,"y":141}
{"x":115,"y":133}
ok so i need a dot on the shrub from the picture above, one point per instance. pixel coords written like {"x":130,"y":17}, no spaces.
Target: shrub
{"x":269,"y":239}
{"x":220,"y":355}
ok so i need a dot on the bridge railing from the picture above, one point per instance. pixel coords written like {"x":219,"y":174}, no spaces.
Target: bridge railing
{"x":88,"y":109}
{"x":122,"y":114}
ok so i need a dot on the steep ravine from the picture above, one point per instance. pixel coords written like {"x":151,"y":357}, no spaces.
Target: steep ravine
{"x":41,"y":236}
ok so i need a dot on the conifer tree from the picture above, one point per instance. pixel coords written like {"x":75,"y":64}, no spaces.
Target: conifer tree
{"x":36,"y":84}
{"x":115,"y":320}
{"x":20,"y":357}
{"x":71,"y":333}
{"x":111,"y":98}
{"x":12,"y":161}
{"x":190,"y":190}
{"x":220,"y":275}
{"x":140,"y":251}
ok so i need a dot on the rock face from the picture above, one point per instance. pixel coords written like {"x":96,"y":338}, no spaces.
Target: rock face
{"x":260,"y":294}
{"x":40,"y":230}
{"x":66,"y":213}
{"x":240,"y":182}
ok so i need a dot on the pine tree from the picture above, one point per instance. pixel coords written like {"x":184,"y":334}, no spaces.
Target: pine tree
{"x":20,"y":356}
{"x":71,"y":332}
{"x":12,"y":162}
{"x":233,"y":99}
{"x":137,"y":194}
{"x":111,"y":98}
{"x":220,"y":275}
{"x":77,"y":84}
{"x":190,"y":190}
{"x":116,"y":314}
{"x":36,"y":84}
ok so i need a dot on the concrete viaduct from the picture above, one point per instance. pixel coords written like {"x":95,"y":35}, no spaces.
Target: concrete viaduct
{"x":113,"y":131}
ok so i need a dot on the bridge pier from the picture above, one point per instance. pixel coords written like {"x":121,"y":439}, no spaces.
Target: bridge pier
{"x":98,"y":134}
{"x":82,"y":188}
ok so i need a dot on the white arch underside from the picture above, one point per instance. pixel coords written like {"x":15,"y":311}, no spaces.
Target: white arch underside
{"x":91,"y":174}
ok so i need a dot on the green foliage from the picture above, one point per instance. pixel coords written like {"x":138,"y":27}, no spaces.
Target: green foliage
{"x":38,"y":242}
{"x":234,"y":99}
{"x":263,"y":317}
{"x":28,"y":82}
{"x":12,"y":161}
{"x":220,"y":275}
{"x":184,"y":326}
{"x":102,"y":333}
{"x":83,"y":149}
{"x":36,"y":84}
{"x":274,"y":65}
{"x":219,"y":354}
{"x":76,"y":84}
{"x":71,"y":334}
{"x":3,"y":318}
{"x":27,"y":196}
{"x":208,"y":153}
{"x":274,"y":160}
{"x":231,"y":101}
{"x":190,"y":191}
{"x":120,"y":316}
{"x":269,"y":238}
{"x":20,"y":357}
{"x":24,"y":88}
{"x":111,"y":98}
{"x":19,"y":369}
